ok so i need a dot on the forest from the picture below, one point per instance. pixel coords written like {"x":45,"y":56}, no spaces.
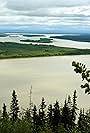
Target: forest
{"x":78,"y":37}
{"x":52,"y":118}
{"x":41,"y":40}
{"x":17,"y":50}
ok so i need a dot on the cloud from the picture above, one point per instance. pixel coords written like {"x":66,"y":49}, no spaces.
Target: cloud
{"x":48,"y":12}
{"x":35,"y":4}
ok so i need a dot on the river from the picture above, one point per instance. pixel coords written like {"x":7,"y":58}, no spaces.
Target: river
{"x":50,"y":77}
{"x":56,"y":42}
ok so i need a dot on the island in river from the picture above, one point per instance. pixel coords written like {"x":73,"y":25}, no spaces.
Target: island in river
{"x":17,"y":50}
{"x":41,"y":40}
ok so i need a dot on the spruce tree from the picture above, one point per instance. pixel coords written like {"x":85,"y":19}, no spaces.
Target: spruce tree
{"x":50,"y":116}
{"x":35,"y":120}
{"x":56,"y":117}
{"x":69,"y":102}
{"x":84,"y":122}
{"x":14,"y":108}
{"x":87,"y":121}
{"x":42,"y":113}
{"x":65,"y":115}
{"x":27,"y":114}
{"x":74,"y":110}
{"x":80,"y":120}
{"x":4,"y":113}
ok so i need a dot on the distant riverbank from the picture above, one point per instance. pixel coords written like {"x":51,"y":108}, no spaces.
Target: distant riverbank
{"x":79,"y":38}
{"x":17,"y":50}
{"x":35,"y":39}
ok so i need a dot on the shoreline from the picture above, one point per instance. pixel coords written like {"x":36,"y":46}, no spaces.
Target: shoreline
{"x":30,"y":57}
{"x":11,"y":50}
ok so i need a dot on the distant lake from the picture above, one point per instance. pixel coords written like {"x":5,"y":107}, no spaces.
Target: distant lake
{"x":50,"y":77}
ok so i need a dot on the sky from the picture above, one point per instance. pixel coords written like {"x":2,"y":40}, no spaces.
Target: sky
{"x":47,"y":15}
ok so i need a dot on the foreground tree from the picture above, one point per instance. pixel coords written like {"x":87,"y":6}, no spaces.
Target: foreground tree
{"x":56,"y":117}
{"x":84,"y":121}
{"x":65,"y":115}
{"x":85,"y":74}
{"x":50,"y":116}
{"x":35,"y":120}
{"x":4,"y":113}
{"x":74,"y":110}
{"x":14,"y":108}
{"x":42,"y":115}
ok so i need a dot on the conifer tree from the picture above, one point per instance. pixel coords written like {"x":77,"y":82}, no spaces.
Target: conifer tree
{"x":84,"y":122}
{"x":35,"y":120}
{"x":56,"y":117}
{"x":69,"y":104}
{"x":14,"y":108}
{"x":42,"y":113}
{"x":80,"y":119}
{"x":74,"y":110}
{"x":27,"y":114}
{"x":34,"y":113}
{"x":4,"y":113}
{"x":50,"y":116}
{"x":65,"y":115}
{"x":87,"y":121}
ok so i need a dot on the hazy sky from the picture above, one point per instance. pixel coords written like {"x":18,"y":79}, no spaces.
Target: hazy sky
{"x":45,"y":12}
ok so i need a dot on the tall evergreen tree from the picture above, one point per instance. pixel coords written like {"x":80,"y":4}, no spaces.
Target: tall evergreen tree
{"x":74,"y":110}
{"x":35,"y":120}
{"x":56,"y":117}
{"x":14,"y":108}
{"x":50,"y":116}
{"x":42,"y":113}
{"x":69,"y":102}
{"x":4,"y":113}
{"x":65,"y":115}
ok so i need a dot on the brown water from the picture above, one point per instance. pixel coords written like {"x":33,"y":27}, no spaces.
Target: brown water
{"x":51,"y":77}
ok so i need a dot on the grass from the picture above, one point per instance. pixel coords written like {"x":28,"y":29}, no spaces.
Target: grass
{"x":17,"y":50}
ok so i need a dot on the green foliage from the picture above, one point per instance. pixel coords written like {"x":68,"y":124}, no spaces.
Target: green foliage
{"x":85,"y":74}
{"x":42,"y":115}
{"x":42,"y":40}
{"x":66,"y":116}
{"x":55,"y":120}
{"x":84,"y":121}
{"x":50,"y":116}
{"x":27,"y":114}
{"x":35,"y":120}
{"x":74,"y":109}
{"x":4,"y":113}
{"x":17,"y":50}
{"x":14,"y":108}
